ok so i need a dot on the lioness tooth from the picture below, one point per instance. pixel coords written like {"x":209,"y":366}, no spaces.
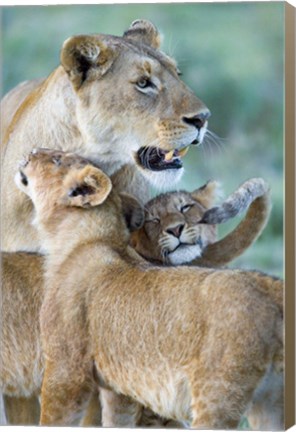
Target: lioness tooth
{"x":183,"y":151}
{"x":168,"y":156}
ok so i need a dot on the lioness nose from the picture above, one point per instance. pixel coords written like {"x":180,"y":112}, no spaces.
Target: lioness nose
{"x":198,"y":120}
{"x":176,"y":230}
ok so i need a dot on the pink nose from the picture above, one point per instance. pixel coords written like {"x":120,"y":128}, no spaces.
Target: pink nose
{"x":176,"y":230}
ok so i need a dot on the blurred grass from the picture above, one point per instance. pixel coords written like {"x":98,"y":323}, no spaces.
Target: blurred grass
{"x":231,"y":55}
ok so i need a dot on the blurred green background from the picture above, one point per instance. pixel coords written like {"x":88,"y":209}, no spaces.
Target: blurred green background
{"x":230,"y":54}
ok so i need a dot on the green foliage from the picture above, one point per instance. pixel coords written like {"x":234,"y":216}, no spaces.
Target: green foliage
{"x":232,"y":57}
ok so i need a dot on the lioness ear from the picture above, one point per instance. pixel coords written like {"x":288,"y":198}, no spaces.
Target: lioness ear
{"x":207,"y":194}
{"x":133,"y":211}
{"x":145,"y":32}
{"x":86,"y":57}
{"x":87,"y":187}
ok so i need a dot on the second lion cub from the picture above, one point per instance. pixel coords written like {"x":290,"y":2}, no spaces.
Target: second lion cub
{"x":190,"y":344}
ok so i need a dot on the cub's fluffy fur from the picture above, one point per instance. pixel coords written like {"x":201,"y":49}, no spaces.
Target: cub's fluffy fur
{"x":192,"y":344}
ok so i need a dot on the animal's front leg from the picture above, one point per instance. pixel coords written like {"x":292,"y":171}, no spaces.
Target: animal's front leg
{"x":119,"y":410}
{"x":65,"y":394}
{"x":93,"y":415}
{"x":22,"y":410}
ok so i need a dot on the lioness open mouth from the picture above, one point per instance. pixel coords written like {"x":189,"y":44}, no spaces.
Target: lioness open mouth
{"x":155,"y":159}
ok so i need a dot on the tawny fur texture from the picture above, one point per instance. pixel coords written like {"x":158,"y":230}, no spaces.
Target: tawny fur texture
{"x":110,"y":97}
{"x":23,"y":272}
{"x":191,"y":344}
{"x":180,"y":227}
{"x":21,"y":356}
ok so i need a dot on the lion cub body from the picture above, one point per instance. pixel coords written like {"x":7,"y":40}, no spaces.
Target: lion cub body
{"x":196,"y":342}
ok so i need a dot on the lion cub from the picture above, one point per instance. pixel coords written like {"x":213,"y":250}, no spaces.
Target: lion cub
{"x":180,"y":227}
{"x":191,"y":344}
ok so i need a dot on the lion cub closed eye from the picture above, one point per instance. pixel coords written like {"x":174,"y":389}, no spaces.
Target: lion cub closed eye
{"x":180,"y":227}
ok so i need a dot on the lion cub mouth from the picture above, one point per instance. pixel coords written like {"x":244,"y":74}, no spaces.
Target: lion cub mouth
{"x":156,"y":159}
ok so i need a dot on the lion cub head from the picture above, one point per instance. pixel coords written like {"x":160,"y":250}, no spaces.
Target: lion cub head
{"x":172,"y":232}
{"x":61,"y":183}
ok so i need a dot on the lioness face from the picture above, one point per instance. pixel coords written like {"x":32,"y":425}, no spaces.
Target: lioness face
{"x":172,"y":232}
{"x":146,"y":115}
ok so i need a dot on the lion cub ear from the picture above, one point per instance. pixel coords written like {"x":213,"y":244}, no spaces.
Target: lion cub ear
{"x":85,"y":58}
{"x":208,"y":193}
{"x":145,"y":32}
{"x":133,"y":211}
{"x":87,"y":187}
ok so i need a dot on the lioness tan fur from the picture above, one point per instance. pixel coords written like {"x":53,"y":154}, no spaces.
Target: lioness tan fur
{"x":180,"y":227}
{"x":110,"y":97}
{"x":21,"y":356}
{"x":191,"y":344}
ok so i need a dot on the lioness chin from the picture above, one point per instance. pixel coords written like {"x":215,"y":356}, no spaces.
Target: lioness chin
{"x":118,"y":101}
{"x":196,"y":342}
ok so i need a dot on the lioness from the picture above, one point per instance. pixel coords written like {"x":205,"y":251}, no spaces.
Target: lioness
{"x":191,"y":344}
{"x":180,"y":227}
{"x":118,"y":101}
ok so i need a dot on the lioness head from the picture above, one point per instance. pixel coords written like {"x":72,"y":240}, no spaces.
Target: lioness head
{"x":172,"y":232}
{"x":130,"y":98}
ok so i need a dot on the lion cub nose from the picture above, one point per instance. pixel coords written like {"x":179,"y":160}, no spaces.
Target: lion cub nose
{"x":198,"y":120}
{"x":176,"y":230}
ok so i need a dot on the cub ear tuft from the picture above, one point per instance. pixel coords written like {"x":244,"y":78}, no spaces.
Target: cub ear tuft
{"x":207,"y":194}
{"x":87,"y":187}
{"x":85,"y":58}
{"x":144,"y":31}
{"x":133,"y":211}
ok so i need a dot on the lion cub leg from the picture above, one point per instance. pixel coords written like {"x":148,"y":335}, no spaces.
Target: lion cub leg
{"x":220,"y":398}
{"x":93,"y":414}
{"x":21,"y":410}
{"x":119,"y":410}
{"x":65,"y":393}
{"x":266,"y":411}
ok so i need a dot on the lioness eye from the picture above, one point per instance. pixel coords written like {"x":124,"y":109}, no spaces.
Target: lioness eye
{"x":144,"y":83}
{"x":185,"y":208}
